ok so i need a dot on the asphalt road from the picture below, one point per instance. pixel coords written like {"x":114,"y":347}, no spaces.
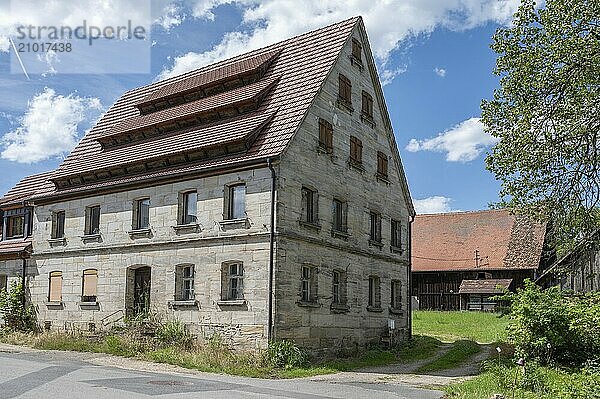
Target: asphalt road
{"x":62,"y":375}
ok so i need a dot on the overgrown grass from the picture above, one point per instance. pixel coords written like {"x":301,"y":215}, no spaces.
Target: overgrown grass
{"x":480,"y":327}
{"x":215,"y":357}
{"x":535,"y":383}
{"x":459,"y":354}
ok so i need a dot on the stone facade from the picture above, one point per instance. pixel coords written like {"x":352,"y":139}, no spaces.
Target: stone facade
{"x":365,"y":270}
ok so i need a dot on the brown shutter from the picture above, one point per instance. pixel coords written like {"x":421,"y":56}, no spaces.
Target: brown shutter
{"x":356,"y":49}
{"x":55,"y":289}
{"x":90,"y":282}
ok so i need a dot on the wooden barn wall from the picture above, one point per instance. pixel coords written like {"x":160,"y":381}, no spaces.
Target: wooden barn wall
{"x":439,"y":290}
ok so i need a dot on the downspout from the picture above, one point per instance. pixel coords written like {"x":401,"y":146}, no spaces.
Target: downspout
{"x":23,"y":278}
{"x":26,"y":221}
{"x":410,"y":222}
{"x":271,"y":251}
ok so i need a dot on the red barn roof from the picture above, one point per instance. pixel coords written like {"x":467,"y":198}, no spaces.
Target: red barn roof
{"x":447,"y":242}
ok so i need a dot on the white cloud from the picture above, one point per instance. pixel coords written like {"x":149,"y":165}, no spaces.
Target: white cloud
{"x":441,"y":72}
{"x":49,"y":127}
{"x":172,"y":15}
{"x":435,"y":204}
{"x":462,"y":143}
{"x":390,"y":24}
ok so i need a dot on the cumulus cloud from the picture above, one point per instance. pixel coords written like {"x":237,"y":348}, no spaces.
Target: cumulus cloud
{"x":462,"y":143}
{"x":49,"y":127}
{"x":441,"y":72}
{"x":390,"y":24}
{"x":435,"y":204}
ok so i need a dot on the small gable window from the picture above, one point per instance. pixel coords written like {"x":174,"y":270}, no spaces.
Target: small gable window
{"x":367,"y":106}
{"x":382,"y":165}
{"x":356,"y":51}
{"x":325,"y":136}
{"x":356,"y":148}
{"x":345,"y":91}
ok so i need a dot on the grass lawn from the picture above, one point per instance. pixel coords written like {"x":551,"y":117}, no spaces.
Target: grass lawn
{"x":481,"y":327}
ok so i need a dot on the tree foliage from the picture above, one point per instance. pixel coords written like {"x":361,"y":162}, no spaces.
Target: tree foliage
{"x":546,"y":114}
{"x":15,"y":316}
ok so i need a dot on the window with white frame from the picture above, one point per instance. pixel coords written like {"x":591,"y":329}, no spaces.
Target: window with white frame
{"x":232,"y":281}
{"x":141,"y":214}
{"x":184,"y":283}
{"x":236,"y":202}
{"x":92,"y":220}
{"x":188,"y":205}
{"x":58,"y":224}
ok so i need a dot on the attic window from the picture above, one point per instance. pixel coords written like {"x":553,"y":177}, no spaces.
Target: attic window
{"x":382,"y":165}
{"x":325,"y":136}
{"x":345,"y":92}
{"x":366,"y":113}
{"x":356,"y":148}
{"x":356,"y":56}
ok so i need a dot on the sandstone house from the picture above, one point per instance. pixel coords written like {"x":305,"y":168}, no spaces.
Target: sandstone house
{"x":260,"y":197}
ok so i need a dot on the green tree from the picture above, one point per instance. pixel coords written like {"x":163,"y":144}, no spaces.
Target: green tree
{"x":546,"y":114}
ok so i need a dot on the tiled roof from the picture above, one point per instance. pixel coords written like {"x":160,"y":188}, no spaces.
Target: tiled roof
{"x":26,"y":188}
{"x":447,"y":242}
{"x":13,"y":249}
{"x":249,"y":93}
{"x":211,"y":77}
{"x":486,"y":286}
{"x":302,"y":64}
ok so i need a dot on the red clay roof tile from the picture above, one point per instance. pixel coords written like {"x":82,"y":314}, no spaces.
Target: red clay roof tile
{"x":447,"y":242}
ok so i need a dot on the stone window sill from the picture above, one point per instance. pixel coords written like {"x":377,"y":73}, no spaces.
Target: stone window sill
{"x":396,"y":311}
{"x":373,"y":243}
{"x":140,"y":233}
{"x":368,"y":119}
{"x":376,"y":309}
{"x":396,"y":250}
{"x":343,"y":104}
{"x":183,"y":303}
{"x":310,"y":225}
{"x":321,"y":149}
{"x":57,"y":242}
{"x":86,"y":305}
{"x":357,"y":62}
{"x":91,"y":238}
{"x":232,"y":302}
{"x":340,"y":234}
{"x":383,"y":178}
{"x":232,"y":224}
{"x":306,"y":304}
{"x":339,"y":308}
{"x":187,"y":228}
{"x":356,"y":165}
{"x":55,"y":304}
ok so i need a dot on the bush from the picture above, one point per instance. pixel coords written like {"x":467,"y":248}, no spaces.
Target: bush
{"x":173,"y":333}
{"x":16,"y":317}
{"x":285,"y":354}
{"x":550,"y":326}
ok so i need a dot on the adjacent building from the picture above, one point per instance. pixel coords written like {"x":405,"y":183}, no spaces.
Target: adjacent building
{"x":461,"y":260}
{"x":260,"y":197}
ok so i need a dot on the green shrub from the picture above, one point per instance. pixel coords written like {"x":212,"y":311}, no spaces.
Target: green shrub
{"x":16,"y":317}
{"x":285,"y":354}
{"x":550,"y":326}
{"x":173,"y":333}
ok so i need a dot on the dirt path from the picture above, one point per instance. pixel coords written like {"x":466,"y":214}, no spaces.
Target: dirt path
{"x":406,"y":372}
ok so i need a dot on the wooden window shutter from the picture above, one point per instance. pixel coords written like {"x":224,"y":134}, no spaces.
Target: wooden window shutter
{"x":367,"y":105}
{"x":345,"y":89}
{"x":378,"y":228}
{"x":356,"y":50}
{"x":90,"y":283}
{"x":355,"y":149}
{"x":55,"y":289}
{"x":382,"y":164}
{"x":326,"y":135}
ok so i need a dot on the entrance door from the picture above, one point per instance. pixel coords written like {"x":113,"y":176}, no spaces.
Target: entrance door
{"x":141,"y":295}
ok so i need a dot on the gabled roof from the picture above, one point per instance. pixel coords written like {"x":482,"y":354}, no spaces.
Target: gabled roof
{"x":448,"y":241}
{"x":25,"y":189}
{"x":300,"y":64}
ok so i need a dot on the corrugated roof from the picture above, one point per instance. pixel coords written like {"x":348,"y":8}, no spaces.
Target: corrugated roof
{"x":302,"y":65}
{"x":26,"y":188}
{"x":447,"y":242}
{"x":486,"y":286}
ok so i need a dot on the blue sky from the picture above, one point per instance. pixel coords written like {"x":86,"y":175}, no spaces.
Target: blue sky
{"x":435,"y":59}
